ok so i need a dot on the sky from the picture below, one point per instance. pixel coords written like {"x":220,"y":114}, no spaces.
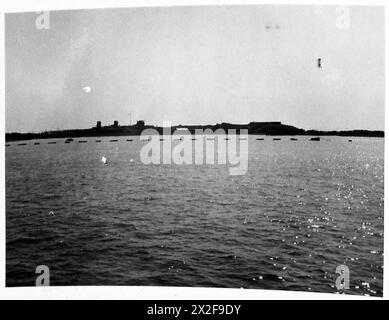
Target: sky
{"x":196,"y":65}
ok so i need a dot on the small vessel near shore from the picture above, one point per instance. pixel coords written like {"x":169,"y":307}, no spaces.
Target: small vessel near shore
{"x":68,"y":140}
{"x":315,"y":139}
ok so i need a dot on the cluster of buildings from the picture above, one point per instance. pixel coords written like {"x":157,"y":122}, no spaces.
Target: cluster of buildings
{"x":139,"y":124}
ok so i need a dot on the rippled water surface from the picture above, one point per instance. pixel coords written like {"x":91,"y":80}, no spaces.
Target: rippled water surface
{"x":302,"y":209}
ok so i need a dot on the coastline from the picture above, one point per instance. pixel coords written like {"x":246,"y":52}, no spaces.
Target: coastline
{"x":253,"y":128}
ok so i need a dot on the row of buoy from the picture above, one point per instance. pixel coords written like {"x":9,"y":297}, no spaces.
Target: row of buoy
{"x":67,"y":141}
{"x":193,"y":139}
{"x":295,"y":139}
{"x":161,"y":139}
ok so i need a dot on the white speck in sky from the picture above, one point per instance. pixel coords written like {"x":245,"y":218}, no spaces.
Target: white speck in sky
{"x":87,"y":89}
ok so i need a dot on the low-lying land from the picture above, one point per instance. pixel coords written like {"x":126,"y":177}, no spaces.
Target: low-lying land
{"x":257,"y":128}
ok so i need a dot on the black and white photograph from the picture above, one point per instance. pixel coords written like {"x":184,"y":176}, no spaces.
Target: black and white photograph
{"x":197,"y":146}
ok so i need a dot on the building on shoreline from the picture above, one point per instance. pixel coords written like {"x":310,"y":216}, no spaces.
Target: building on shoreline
{"x":258,"y":128}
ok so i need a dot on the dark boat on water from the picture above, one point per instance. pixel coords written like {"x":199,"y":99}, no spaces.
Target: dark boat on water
{"x":68,"y":140}
{"x":293,"y":139}
{"x":276,"y":139}
{"x":315,"y":139}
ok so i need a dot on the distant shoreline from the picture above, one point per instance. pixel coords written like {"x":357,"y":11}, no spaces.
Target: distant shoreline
{"x":253,"y":128}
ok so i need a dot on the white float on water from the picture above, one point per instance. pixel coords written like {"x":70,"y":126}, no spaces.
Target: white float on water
{"x":104,"y":160}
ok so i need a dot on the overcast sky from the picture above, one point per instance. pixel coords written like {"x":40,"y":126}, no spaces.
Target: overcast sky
{"x":196,"y":65}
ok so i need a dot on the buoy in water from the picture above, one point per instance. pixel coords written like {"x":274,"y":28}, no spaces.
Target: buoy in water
{"x":51,"y":213}
{"x":104,"y":160}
